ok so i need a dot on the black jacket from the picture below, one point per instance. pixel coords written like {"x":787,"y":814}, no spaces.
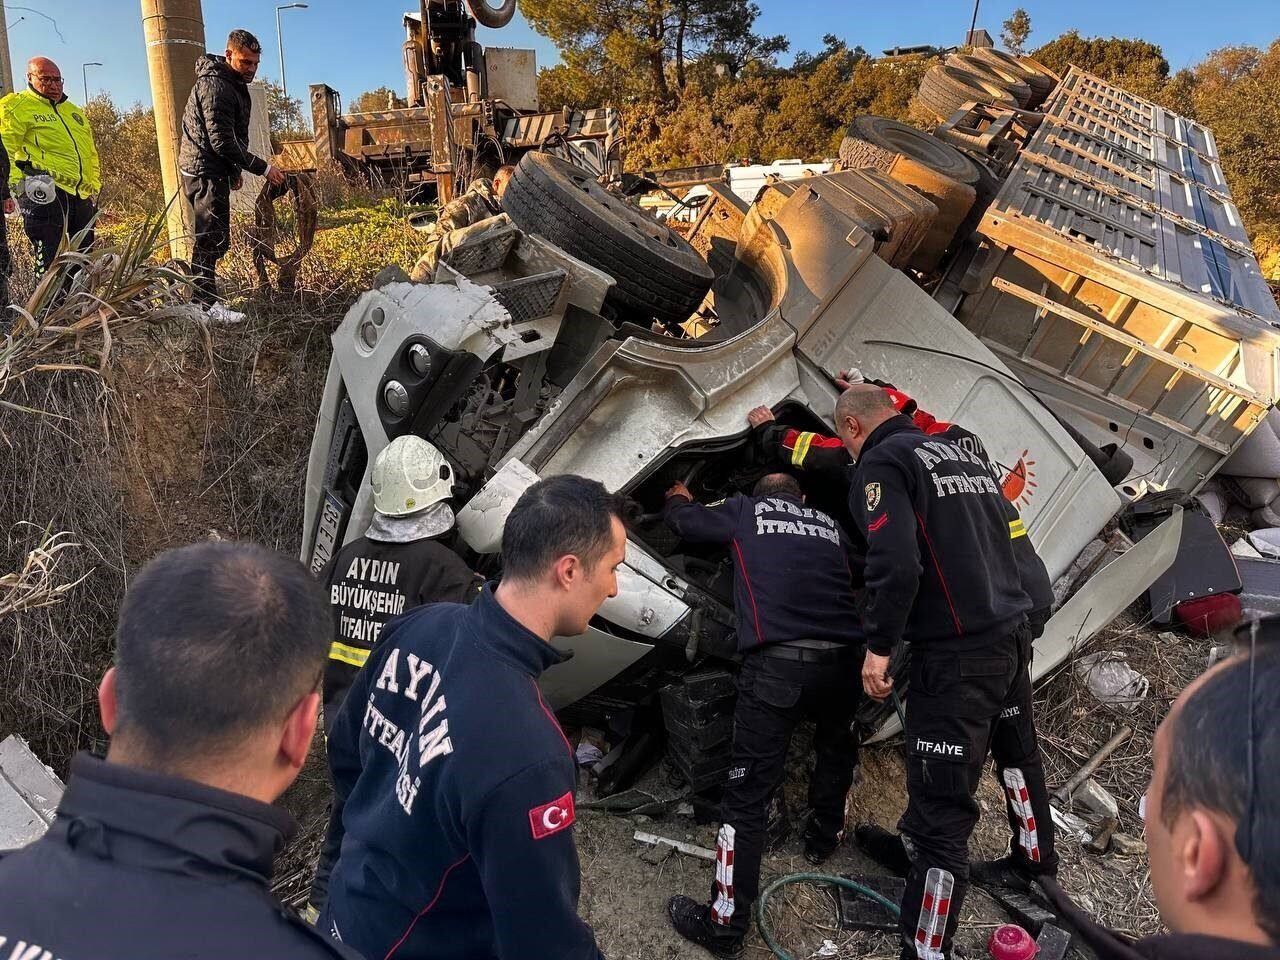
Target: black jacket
{"x":369,"y":583}
{"x":940,"y":566}
{"x":455,"y":793}
{"x":139,"y":866}
{"x":1106,"y":945}
{"x":826,"y":460}
{"x":791,"y":570}
{"x":215,"y":124}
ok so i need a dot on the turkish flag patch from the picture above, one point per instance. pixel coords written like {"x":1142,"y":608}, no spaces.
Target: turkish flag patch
{"x":552,"y":817}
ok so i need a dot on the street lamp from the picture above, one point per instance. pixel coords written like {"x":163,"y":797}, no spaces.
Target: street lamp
{"x":284,"y":84}
{"x":84,"y":75}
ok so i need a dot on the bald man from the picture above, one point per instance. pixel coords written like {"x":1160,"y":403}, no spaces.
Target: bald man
{"x":940,"y":573}
{"x":50,"y":142}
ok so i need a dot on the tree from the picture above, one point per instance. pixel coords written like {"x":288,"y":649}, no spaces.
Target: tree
{"x":380,"y":98}
{"x":634,"y":42}
{"x":129,"y":155}
{"x":1136,"y":65}
{"x":1015,"y":31}
{"x":285,"y":115}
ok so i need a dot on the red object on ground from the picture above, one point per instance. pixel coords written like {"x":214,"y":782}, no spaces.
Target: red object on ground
{"x":1206,"y":616}
{"x":1010,"y":942}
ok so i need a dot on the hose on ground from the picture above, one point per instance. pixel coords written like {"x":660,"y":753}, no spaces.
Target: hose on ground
{"x":766,"y":932}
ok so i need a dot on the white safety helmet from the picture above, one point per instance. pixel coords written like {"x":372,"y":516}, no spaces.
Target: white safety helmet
{"x":410,"y":475}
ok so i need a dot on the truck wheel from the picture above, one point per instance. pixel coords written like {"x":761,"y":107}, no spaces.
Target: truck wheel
{"x":657,"y":273}
{"x":995,"y":73}
{"x":1038,"y":80}
{"x":873,"y":141}
{"x":944,"y":90}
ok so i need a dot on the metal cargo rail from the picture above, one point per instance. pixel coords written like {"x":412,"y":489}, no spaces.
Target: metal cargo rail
{"x":1119,"y":284}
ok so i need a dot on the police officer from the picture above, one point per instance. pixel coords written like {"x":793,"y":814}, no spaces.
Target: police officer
{"x":49,"y":138}
{"x":940,"y":573}
{"x":166,"y":847}
{"x":455,"y":785}
{"x":798,"y":632}
{"x":401,"y":562}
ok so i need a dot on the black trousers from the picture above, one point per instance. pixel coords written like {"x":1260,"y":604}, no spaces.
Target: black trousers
{"x":773,"y":696}
{"x":210,"y":197}
{"x":964,"y":705}
{"x":45,"y":224}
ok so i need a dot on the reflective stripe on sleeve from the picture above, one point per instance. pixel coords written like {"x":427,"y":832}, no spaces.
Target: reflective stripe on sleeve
{"x":802,"y":448}
{"x":343,"y":653}
{"x":1016,"y":529}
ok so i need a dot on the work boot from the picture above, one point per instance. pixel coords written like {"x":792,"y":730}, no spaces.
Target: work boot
{"x":1004,"y":872}
{"x":818,"y":846}
{"x":692,"y":920}
{"x":884,"y":847}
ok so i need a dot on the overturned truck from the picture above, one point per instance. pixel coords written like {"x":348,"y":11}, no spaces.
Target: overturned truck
{"x":1099,"y":343}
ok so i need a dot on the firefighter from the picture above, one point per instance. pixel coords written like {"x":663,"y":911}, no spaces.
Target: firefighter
{"x":455,"y":785}
{"x":940,"y":572}
{"x":166,"y":846}
{"x":825,"y":459}
{"x":400,"y":563}
{"x":798,"y":632}
{"x":49,"y":140}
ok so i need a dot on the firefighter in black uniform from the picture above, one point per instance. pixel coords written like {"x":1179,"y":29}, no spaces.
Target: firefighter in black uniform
{"x":940,"y":572}
{"x":825,"y":459}
{"x":166,"y":846}
{"x":798,"y":632}
{"x":400,"y":563}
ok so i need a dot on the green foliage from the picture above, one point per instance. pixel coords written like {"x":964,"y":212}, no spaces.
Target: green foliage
{"x":285,"y":113}
{"x":1136,"y":65}
{"x":130,"y":156}
{"x":1016,"y":30}
{"x":380,"y":98}
{"x":1235,"y":91}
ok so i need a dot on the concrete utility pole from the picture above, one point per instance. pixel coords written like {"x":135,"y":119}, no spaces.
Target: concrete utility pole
{"x":6,"y":60}
{"x":174,"y":31}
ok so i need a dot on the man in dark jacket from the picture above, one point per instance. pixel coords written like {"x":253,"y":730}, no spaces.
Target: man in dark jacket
{"x":213,"y":156}
{"x":798,"y":631}
{"x":165,"y":848}
{"x":455,"y":785}
{"x":400,"y":563}
{"x":940,"y":572}
{"x":1210,"y":817}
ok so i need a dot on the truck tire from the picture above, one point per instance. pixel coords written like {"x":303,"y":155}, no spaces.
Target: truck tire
{"x":873,"y":141}
{"x":657,"y":273}
{"x":1039,"y":76}
{"x":1037,"y":79}
{"x":944,"y":90}
{"x":997,"y":74}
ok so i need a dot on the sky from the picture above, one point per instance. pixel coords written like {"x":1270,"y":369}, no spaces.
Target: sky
{"x":354,"y":45}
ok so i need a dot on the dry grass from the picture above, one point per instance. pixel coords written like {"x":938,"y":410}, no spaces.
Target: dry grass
{"x":38,"y":583}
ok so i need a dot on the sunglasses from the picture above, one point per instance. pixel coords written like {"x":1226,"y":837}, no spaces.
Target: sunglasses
{"x":46,"y":79}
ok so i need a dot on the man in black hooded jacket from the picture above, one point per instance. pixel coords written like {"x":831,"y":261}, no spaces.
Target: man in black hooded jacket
{"x":214,"y":154}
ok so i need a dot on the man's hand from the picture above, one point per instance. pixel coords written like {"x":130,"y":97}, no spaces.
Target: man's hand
{"x":238,"y":181}
{"x":875,"y":676}
{"x":10,"y":205}
{"x":760,"y":416}
{"x":847,"y":378}
{"x":678,"y":489}
{"x":275,"y":176}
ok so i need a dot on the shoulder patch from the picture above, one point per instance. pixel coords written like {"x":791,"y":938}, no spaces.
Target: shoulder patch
{"x":552,"y":817}
{"x":872,"y":492}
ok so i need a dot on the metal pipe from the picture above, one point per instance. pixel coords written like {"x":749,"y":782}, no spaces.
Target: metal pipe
{"x":84,"y":75}
{"x":973,"y":24}
{"x":174,"y":34}
{"x":284,"y":82}
{"x":1084,"y":773}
